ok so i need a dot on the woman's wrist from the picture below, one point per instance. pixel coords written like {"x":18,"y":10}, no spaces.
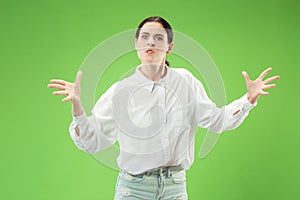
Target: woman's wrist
{"x":252,"y":100}
{"x":77,"y":108}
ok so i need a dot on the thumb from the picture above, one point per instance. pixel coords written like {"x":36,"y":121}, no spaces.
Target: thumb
{"x":78,"y":77}
{"x":246,"y":76}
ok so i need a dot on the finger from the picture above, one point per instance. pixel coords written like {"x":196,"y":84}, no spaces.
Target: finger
{"x":68,"y":98}
{"x":264,"y":93}
{"x":264,"y":73}
{"x":57,"y":86}
{"x":60,"y":93}
{"x":78,"y":77}
{"x":58,"y":81}
{"x":246,"y":76}
{"x":268,"y":86}
{"x":271,"y":79}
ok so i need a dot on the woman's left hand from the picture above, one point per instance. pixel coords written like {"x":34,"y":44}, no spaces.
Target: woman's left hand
{"x":256,"y":87}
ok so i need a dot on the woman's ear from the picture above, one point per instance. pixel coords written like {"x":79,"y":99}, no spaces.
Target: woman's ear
{"x":171,"y":45}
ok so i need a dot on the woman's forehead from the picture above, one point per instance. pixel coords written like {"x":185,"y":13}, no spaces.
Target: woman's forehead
{"x":153,"y":28}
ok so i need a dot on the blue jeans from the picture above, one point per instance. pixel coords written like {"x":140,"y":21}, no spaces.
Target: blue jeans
{"x":158,"y":184}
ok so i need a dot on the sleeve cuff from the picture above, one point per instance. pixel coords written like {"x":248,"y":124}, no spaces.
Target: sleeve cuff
{"x":246,"y":104}
{"x":80,"y":119}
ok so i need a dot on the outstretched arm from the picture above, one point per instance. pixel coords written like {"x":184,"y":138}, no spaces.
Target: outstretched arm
{"x":72,"y":93}
{"x":232,"y":115}
{"x":92,"y":133}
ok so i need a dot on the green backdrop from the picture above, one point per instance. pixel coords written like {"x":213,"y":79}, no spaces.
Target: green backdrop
{"x":41,"y":40}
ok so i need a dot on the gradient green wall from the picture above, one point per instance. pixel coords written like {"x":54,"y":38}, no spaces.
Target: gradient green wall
{"x":41,"y":40}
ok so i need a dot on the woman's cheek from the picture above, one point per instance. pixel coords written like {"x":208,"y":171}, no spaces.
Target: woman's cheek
{"x":140,"y":54}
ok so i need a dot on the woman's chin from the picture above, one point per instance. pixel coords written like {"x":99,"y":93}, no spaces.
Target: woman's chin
{"x":151,"y":63}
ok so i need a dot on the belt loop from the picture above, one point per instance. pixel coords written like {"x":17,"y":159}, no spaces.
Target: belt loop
{"x":169,"y":172}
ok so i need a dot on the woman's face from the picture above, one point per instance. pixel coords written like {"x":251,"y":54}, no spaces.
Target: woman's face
{"x":152,"y":44}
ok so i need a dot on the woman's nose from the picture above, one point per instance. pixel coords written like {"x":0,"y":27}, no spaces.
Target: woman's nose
{"x":151,"y":42}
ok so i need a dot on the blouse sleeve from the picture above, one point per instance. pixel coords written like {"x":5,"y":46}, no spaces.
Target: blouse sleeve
{"x":216,"y":119}
{"x":99,"y":130}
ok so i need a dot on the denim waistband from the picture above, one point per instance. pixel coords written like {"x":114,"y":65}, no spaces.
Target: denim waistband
{"x":164,"y":170}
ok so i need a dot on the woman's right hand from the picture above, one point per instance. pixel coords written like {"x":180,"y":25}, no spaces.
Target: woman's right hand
{"x":70,"y":90}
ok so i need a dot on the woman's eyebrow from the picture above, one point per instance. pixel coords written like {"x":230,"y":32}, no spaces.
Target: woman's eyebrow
{"x":159,"y":35}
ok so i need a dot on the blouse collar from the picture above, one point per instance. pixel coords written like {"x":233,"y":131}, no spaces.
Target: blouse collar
{"x":149,"y":84}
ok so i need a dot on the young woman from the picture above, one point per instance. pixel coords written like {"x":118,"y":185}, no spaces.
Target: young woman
{"x":153,"y":115}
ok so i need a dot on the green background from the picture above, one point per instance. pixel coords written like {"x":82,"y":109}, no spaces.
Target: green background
{"x":41,"y":40}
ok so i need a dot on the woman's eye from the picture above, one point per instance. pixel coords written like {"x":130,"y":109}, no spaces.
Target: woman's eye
{"x":144,"y":36}
{"x":159,"y":38}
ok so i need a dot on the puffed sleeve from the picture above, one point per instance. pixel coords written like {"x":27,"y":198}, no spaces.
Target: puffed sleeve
{"x":99,"y":130}
{"x":216,"y":119}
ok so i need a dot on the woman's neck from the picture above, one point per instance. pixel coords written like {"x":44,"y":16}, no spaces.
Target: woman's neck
{"x":153,"y":72}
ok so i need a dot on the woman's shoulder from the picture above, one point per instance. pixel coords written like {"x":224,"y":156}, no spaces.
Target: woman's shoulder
{"x":183,"y":72}
{"x":186,"y":75}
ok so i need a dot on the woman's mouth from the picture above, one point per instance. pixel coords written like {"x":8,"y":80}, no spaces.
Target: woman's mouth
{"x":149,"y":51}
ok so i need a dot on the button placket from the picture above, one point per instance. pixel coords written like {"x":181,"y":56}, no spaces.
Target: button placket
{"x":164,"y":136}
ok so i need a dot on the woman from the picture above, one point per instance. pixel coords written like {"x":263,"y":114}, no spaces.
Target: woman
{"x":153,"y":115}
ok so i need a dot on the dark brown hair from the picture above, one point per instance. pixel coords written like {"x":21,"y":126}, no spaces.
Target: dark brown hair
{"x":163,"y":22}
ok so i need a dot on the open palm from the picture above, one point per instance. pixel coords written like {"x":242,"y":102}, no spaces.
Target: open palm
{"x":256,"y":87}
{"x":70,"y":90}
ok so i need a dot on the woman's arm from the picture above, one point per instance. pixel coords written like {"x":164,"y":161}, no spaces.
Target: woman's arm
{"x":92,"y":133}
{"x":232,"y":115}
{"x":72,"y":93}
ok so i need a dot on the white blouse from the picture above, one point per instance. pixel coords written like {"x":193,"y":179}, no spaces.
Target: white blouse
{"x":154,"y":122}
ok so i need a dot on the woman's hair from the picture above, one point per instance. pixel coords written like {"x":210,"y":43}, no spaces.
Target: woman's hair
{"x":163,"y":22}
